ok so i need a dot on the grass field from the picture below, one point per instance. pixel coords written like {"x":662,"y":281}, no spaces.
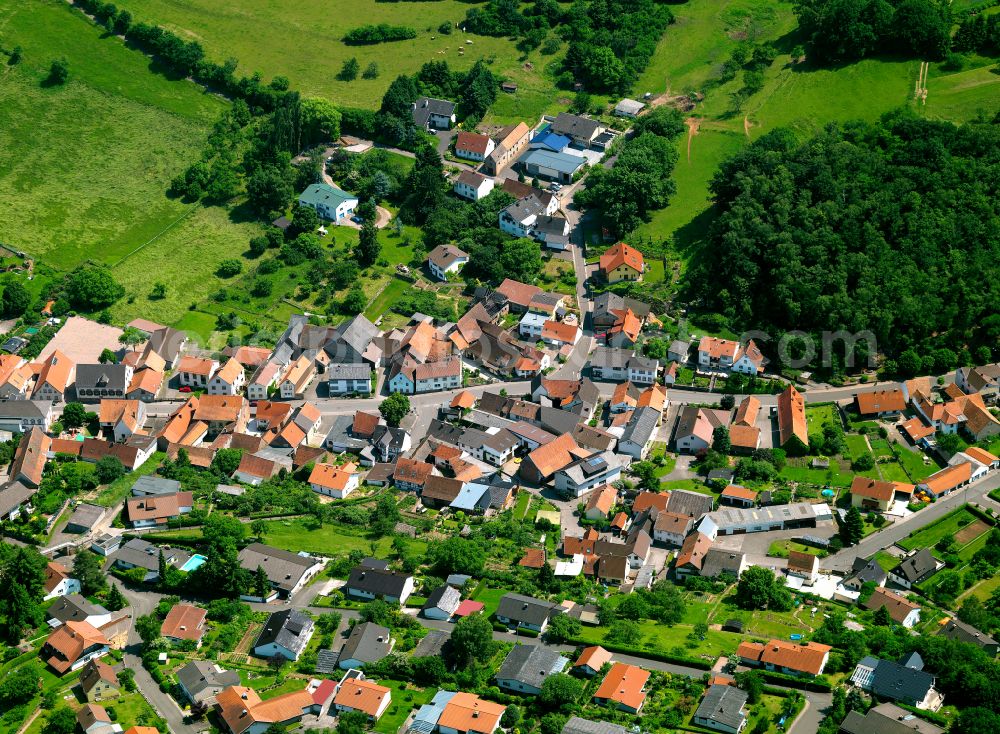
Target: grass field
{"x":302,"y":40}
{"x":927,"y":536}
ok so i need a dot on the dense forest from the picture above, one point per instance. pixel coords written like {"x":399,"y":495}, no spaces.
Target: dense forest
{"x":892,"y":227}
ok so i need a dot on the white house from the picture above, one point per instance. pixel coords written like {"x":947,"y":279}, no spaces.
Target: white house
{"x":531,"y":324}
{"x":229,"y":380}
{"x":472,"y":185}
{"x":334,"y":481}
{"x":445,"y":259}
{"x":285,"y":634}
{"x":329,"y":202}
{"x":583,"y":475}
{"x":473,"y":146}
{"x":58,"y":582}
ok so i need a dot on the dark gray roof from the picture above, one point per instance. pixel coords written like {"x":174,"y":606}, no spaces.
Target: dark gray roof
{"x":576,"y":725}
{"x":377,"y":582}
{"x":900,"y":683}
{"x":524,"y":208}
{"x":74,"y":608}
{"x":605,"y":303}
{"x":871,"y":571}
{"x":356,"y":371}
{"x":556,"y":420}
{"x":424,"y":107}
{"x":445,"y":432}
{"x":143,"y":554}
{"x":554,"y":225}
{"x":723,"y":704}
{"x":326,"y":661}
{"x":283,"y":568}
{"x":199,"y":675}
{"x":102,"y":376}
{"x":289,"y":628}
{"x":887,"y":718}
{"x":531,"y":664}
{"x":368,"y":643}
{"x":717,"y":561}
{"x":167,"y":343}
{"x":150,"y":485}
{"x":525,"y":609}
{"x":431,"y":644}
{"x":693,"y":504}
{"x":916,"y":568}
{"x":959,"y":630}
{"x":14,"y":495}
{"x":17,"y":409}
{"x":340,"y":433}
{"x":575,"y":126}
{"x":86,"y":516}
{"x":641,"y":426}
{"x":357,"y":333}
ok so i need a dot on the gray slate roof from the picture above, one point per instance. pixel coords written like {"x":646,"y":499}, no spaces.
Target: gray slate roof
{"x":576,"y":725}
{"x":531,"y":665}
{"x":150,"y":485}
{"x":446,"y":598}
{"x":103,"y":376}
{"x":289,"y":628}
{"x":641,"y":426}
{"x":377,"y":582}
{"x":86,"y":516}
{"x":900,"y":683}
{"x":526,"y":609}
{"x":887,"y":718}
{"x":283,"y":568}
{"x":917,"y":567}
{"x":684,"y":502}
{"x":959,"y":630}
{"x":724,"y":705}
{"x":200,"y":675}
{"x":368,"y":643}
{"x":74,"y":608}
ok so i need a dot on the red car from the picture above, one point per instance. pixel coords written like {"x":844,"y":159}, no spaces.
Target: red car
{"x":186,"y":388}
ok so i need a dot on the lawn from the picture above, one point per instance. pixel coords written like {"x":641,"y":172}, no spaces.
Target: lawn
{"x":886,"y":560}
{"x":818,"y":416}
{"x":302,"y":41}
{"x":405,"y":698}
{"x":490,"y":598}
{"x":329,"y":540}
{"x":118,"y":490}
{"x":914,"y":465}
{"x":659,"y":637}
{"x":798,"y":470}
{"x":85,"y":165}
{"x":927,"y":536}
{"x":692,"y":485}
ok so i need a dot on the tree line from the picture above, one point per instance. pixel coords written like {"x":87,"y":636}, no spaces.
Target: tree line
{"x":378,"y":33}
{"x":882,"y":227}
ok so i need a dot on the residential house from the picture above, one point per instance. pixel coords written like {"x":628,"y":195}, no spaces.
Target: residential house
{"x":286,"y":633}
{"x":184,"y":622}
{"x":600,"y":503}
{"x":947,"y":480}
{"x":624,"y":332}
{"x":886,"y":718}
{"x":296,"y":378}
{"x":592,"y":660}
{"x":737,"y":496}
{"x":671,"y":528}
{"x":473,"y":186}
{"x":915,"y":569}
{"x":195,"y":372}
{"x":552,"y":231}
{"x":695,"y":428}
{"x":955,"y":629}
{"x":355,"y":693}
{"x":410,"y":474}
{"x":58,"y":581}
{"x":902,"y":610}
{"x":367,"y":643}
{"x":804,"y":565}
{"x":560,"y":333}
{"x":623,"y":687}
{"x":691,"y":556}
{"x":517,"y":610}
{"x":56,"y":375}
{"x":621,"y":262}
{"x":583,"y":131}
{"x":716,"y":354}
{"x":146,"y":512}
{"x":445,"y":259}
{"x":719,"y":561}
{"x":138,"y":553}
{"x":546,"y":164}
{"x":95,"y":719}
{"x":640,"y":431}
{"x":983,"y":381}
{"x":880,"y":403}
{"x":29,"y":458}
{"x":526,"y":668}
{"x":872,"y":494}
{"x":72,"y":645}
{"x":433,"y":114}
{"x":551,"y":141}
{"x":120,"y":419}
{"x":520,"y":218}
{"x":442,"y":602}
{"x":584,"y":474}
{"x":629,"y":108}
{"x":16,"y":378}
{"x":615,"y":364}
{"x":473,"y":146}
{"x":230,"y":380}
{"x":242,"y":711}
{"x":805,"y":659}
{"x":466,"y":713}
{"x":722,"y":709}
{"x":334,"y":481}
{"x":540,"y":465}
{"x":609,"y":306}
{"x":510,"y":142}
{"x":288,"y":572}
{"x":577,"y":725}
{"x":904,"y":682}
{"x":519,"y":295}
{"x":202,"y":680}
{"x":99,"y":682}
{"x":167,"y":344}
{"x":372,"y":583}
{"x":19,"y":416}
{"x":576,"y":396}
{"x":792,"y":418}
{"x":329,"y":202}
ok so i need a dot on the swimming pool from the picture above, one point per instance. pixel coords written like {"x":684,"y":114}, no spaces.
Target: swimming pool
{"x":193,"y":562}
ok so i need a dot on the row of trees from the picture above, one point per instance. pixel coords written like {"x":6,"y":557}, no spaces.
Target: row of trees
{"x":847,"y":30}
{"x":870,"y":228}
{"x":378,"y":33}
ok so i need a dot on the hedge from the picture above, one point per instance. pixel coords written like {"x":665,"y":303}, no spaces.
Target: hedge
{"x":663,"y":657}
{"x":818,"y":684}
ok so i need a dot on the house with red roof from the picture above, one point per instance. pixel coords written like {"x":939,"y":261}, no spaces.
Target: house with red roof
{"x":621,"y":262}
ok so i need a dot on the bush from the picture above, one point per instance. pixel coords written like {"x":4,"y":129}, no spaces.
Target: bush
{"x":378,"y":33}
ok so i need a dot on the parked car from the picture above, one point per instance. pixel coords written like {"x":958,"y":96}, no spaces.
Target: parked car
{"x":185,"y":388}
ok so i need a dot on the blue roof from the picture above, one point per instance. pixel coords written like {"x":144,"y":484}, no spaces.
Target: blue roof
{"x":427,"y":716}
{"x":552,"y":141}
{"x":468,"y":498}
{"x":562,"y":162}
